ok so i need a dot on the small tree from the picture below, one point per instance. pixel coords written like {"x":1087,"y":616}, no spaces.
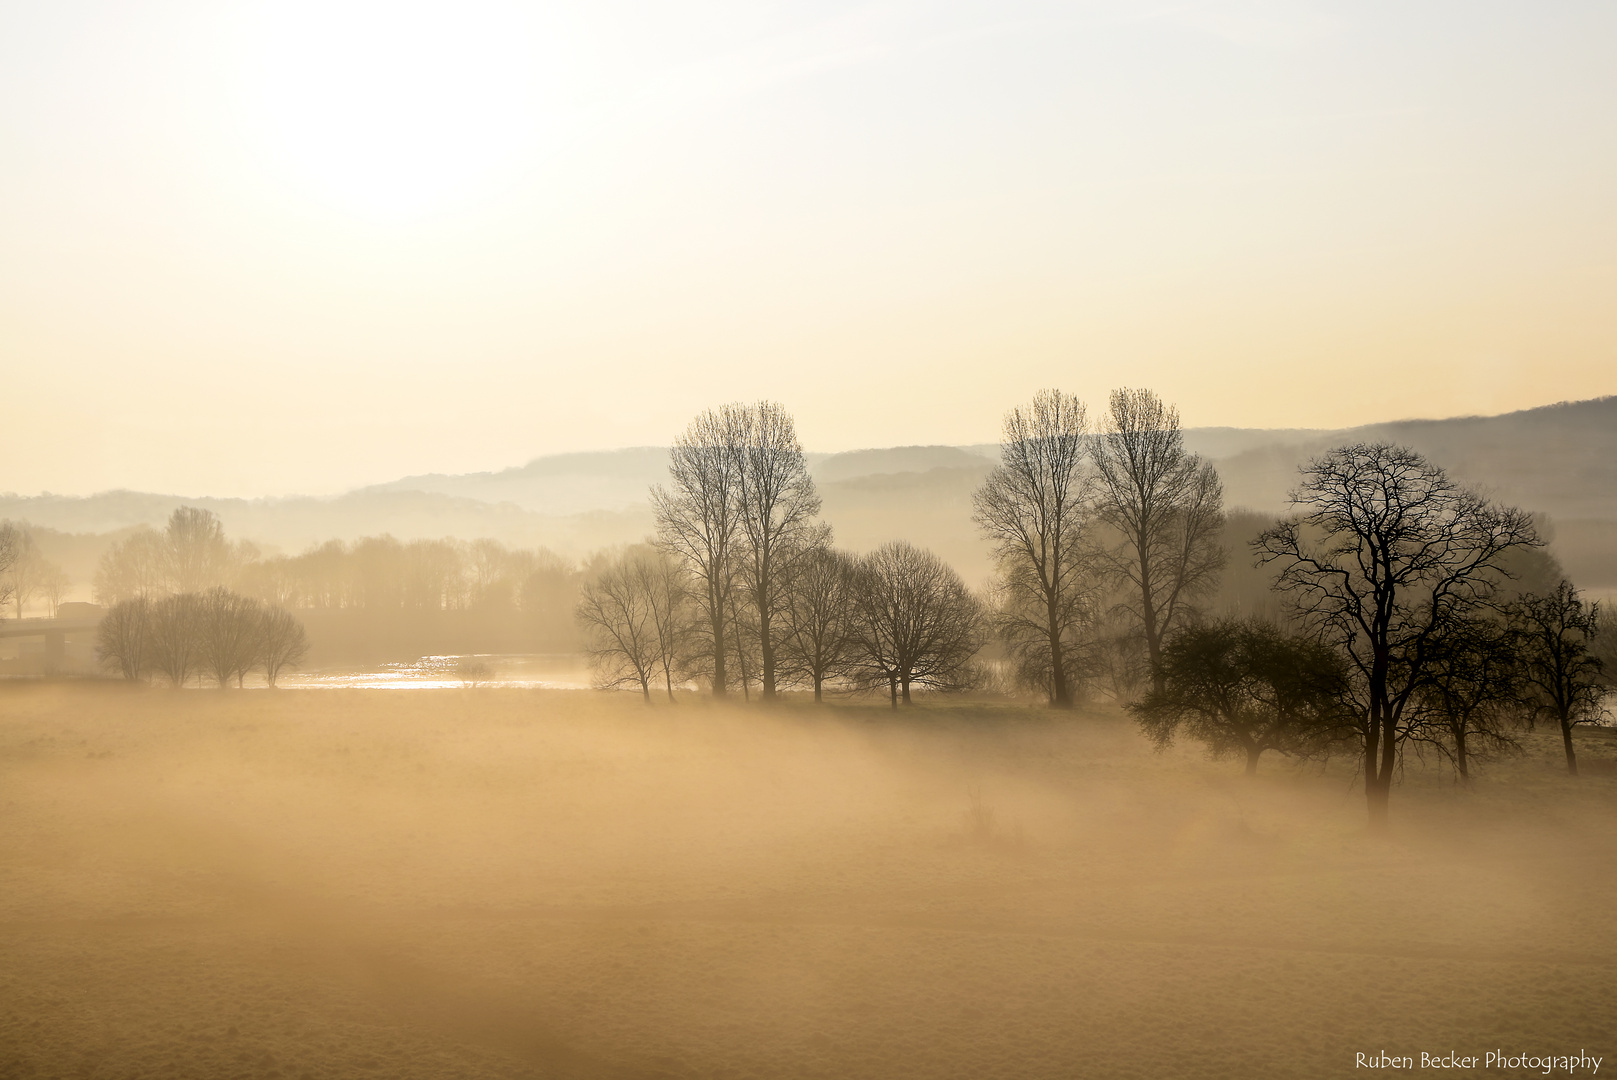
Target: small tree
{"x":282,"y":642}
{"x":1466,"y":702}
{"x":1244,"y":687}
{"x":918,"y":624}
{"x":1554,"y":635}
{"x":618,"y":616}
{"x":176,"y":636}
{"x":228,"y":629}
{"x":817,"y":632}
{"x":124,"y":638}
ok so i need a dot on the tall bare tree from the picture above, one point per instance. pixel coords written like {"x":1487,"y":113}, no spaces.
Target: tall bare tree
{"x":135,"y":566}
{"x":1554,"y":635}
{"x":776,"y":507}
{"x":1168,"y":505}
{"x":196,"y":552}
{"x":1382,"y":553}
{"x":918,"y":624}
{"x":627,"y":614}
{"x":1035,"y":508}
{"x":698,"y":522}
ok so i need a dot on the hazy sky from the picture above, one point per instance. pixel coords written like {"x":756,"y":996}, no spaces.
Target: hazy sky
{"x":297,"y":246}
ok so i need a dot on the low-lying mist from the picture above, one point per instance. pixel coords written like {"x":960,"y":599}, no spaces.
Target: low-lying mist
{"x":504,"y":883}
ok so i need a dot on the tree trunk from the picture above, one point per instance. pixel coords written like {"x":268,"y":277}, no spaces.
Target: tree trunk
{"x":818,"y":679}
{"x":668,"y":681}
{"x":1148,"y":617}
{"x":1566,"y":741}
{"x":892,"y":688}
{"x":1060,"y":693}
{"x":1462,"y":761}
{"x":1252,"y":753}
{"x":720,"y":675}
{"x":1376,"y":796}
{"x":766,"y":653}
{"x":645,"y":689}
{"x":905,"y":683}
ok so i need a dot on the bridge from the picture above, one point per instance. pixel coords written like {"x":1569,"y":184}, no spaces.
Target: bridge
{"x":74,"y":623}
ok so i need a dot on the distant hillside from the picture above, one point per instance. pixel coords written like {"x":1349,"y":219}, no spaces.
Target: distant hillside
{"x":1560,"y":461}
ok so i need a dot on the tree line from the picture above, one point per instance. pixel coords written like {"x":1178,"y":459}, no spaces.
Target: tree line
{"x":26,"y":574}
{"x":1405,"y":612}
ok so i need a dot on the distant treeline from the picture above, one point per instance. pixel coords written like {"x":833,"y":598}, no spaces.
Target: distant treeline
{"x":375,"y":599}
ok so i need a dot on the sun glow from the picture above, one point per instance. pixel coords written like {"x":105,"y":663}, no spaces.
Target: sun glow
{"x":389,"y":109}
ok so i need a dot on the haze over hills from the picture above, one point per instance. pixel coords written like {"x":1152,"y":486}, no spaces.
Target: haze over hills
{"x":1559,"y":461}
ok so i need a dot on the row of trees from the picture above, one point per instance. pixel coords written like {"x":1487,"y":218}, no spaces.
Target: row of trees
{"x":743,"y":589}
{"x":896,"y":619}
{"x":216,"y":633}
{"x":1408,"y":625}
{"x":1403,"y":617}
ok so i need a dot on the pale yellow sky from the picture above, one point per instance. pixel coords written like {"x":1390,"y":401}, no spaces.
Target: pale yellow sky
{"x":295,"y":247}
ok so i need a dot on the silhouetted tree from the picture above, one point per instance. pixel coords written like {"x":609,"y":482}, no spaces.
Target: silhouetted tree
{"x":817,"y":632}
{"x":10,"y":545}
{"x":776,"y":504}
{"x":1242,"y":686}
{"x":1465,"y":705}
{"x":228,"y":629}
{"x":1167,"y":503}
{"x":196,"y":553}
{"x":1554,"y":635}
{"x":133,"y":567}
{"x":698,"y":522}
{"x":1034,"y":508}
{"x":176,"y":639}
{"x":619,"y":611}
{"x":282,"y":642}
{"x":1382,"y":554}
{"x":918,"y":624}
{"x":124,"y":638}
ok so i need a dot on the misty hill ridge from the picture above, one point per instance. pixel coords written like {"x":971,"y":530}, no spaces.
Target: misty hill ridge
{"x":1560,"y":460}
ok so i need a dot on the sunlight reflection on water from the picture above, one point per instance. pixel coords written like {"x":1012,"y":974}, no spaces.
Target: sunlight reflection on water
{"x":544,"y":671}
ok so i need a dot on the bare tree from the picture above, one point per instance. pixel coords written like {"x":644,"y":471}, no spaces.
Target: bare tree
{"x":918,"y":624}
{"x":53,"y":585}
{"x":133,"y":567}
{"x":176,"y":640}
{"x":1383,"y":552}
{"x":817,"y":633}
{"x":26,"y":571}
{"x":1554,"y":636}
{"x":228,"y":630}
{"x":196,"y":553}
{"x":1168,"y":505}
{"x":776,"y":507}
{"x":1243,"y":687}
{"x":282,"y":642}
{"x":10,"y":544}
{"x":1465,"y":703}
{"x":698,"y":522}
{"x":1035,"y":509}
{"x":124,"y":638}
{"x":618,"y":614}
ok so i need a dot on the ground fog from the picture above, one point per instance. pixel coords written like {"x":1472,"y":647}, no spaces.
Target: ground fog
{"x":513,"y":883}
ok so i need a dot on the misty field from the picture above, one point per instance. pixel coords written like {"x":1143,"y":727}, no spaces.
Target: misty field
{"x":509,"y":883}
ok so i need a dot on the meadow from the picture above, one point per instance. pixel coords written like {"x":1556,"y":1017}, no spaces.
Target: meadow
{"x":504,"y":883}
